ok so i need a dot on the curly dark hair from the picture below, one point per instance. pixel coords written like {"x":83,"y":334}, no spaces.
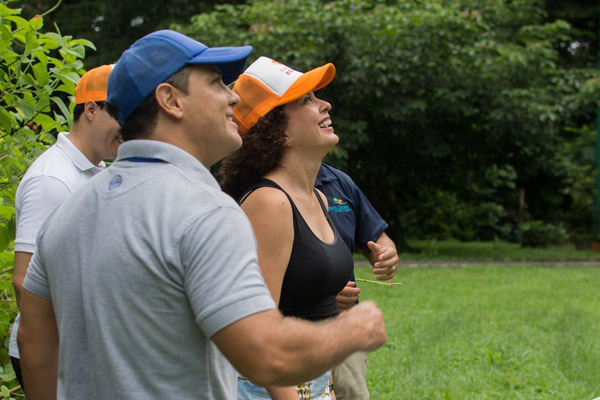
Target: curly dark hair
{"x":261,"y":151}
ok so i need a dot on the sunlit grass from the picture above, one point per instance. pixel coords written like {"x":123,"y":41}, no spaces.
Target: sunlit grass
{"x":488,"y":333}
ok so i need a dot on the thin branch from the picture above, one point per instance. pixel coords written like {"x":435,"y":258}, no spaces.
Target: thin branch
{"x":52,"y":9}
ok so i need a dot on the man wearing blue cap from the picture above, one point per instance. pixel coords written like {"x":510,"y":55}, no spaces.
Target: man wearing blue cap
{"x":148,"y":276}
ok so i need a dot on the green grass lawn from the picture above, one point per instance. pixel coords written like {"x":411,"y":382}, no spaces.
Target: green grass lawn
{"x":495,"y":250}
{"x":518,"y":332}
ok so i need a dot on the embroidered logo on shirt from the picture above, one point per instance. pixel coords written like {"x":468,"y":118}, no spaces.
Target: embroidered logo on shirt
{"x":338,"y":206}
{"x":115,"y":182}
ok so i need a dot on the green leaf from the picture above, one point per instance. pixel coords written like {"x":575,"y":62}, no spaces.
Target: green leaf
{"x":71,"y":76}
{"x":25,"y":109}
{"x":12,"y":228}
{"x":41,"y":57}
{"x":36,"y":22}
{"x":7,"y":212}
{"x":17,"y":20}
{"x":6,"y":121}
{"x":5,"y":11}
{"x":46,"y":122}
{"x":58,"y":39}
{"x":4,"y":240}
{"x":63,"y":108}
{"x":83,"y":42}
{"x":49,"y":42}
{"x":41,"y":74}
{"x":78,"y":51}
{"x":7,"y":258}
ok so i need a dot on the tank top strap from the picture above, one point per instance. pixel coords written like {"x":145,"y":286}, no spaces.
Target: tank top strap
{"x":323,"y":207}
{"x":264,"y":182}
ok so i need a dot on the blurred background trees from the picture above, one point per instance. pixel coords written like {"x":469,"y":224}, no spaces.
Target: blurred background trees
{"x":448,"y":110}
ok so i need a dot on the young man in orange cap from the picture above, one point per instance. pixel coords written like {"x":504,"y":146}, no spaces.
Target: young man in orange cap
{"x":76,"y":157}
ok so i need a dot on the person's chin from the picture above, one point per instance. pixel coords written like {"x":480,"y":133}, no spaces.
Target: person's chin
{"x":236,"y":141}
{"x":333,"y":139}
{"x":233,"y":132}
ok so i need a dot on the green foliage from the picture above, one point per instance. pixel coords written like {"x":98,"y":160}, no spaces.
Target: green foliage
{"x":445,"y":109}
{"x":583,"y":17}
{"x":475,"y":333}
{"x":6,"y":393}
{"x":113,"y":25}
{"x":38,"y":74}
{"x":540,"y":234}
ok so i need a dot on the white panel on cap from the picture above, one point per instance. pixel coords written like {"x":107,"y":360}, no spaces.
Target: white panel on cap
{"x":273,"y":74}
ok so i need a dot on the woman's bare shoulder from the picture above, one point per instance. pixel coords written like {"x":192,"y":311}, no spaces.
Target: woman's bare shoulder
{"x":269,"y":201}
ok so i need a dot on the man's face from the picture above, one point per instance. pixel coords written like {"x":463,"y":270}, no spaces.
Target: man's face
{"x":107,"y":133}
{"x":209,"y":115}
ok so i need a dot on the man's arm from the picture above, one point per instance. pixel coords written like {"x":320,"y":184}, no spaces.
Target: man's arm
{"x":275,"y":351}
{"x":22,"y":260}
{"x":38,"y":199}
{"x":383,"y":257}
{"x":38,"y":346}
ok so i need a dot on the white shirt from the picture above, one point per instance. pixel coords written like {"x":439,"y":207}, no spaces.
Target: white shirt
{"x":52,"y":177}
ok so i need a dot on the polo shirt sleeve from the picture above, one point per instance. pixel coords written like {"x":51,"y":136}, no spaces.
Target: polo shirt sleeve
{"x":369,"y":224}
{"x":39,"y":197}
{"x":222,"y":279}
{"x":36,"y":279}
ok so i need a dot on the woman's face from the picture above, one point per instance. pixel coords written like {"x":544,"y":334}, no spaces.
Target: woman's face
{"x":309,"y":124}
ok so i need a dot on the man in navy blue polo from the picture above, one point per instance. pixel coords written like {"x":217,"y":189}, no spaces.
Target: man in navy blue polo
{"x":362,"y":228}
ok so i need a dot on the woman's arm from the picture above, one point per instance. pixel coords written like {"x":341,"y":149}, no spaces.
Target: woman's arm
{"x":270,"y":214}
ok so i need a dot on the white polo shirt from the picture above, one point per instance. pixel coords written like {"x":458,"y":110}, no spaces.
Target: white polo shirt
{"x":51,"y":178}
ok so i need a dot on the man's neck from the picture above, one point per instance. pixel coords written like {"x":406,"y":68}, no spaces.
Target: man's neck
{"x":77,"y":137}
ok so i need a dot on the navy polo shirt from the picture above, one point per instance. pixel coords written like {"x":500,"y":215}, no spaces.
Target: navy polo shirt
{"x":353,"y":215}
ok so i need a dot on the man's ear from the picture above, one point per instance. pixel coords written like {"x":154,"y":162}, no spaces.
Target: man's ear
{"x":90,"y":109}
{"x":168,"y":99}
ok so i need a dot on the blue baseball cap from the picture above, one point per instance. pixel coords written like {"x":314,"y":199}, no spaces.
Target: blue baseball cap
{"x":154,"y":58}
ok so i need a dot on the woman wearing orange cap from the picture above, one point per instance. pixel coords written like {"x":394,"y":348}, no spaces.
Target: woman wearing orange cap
{"x":287,"y":131}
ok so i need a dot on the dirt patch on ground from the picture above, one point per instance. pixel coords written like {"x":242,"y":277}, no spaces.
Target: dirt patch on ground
{"x":422,"y":263}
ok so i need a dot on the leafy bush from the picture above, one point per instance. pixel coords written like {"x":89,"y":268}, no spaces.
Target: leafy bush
{"x":466,"y":97}
{"x":38,"y":74}
{"x":541,"y":234}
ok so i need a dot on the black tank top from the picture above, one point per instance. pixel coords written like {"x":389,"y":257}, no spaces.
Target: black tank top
{"x":317,"y":271}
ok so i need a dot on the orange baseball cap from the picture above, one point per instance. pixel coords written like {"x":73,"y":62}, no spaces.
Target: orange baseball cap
{"x":267,"y":84}
{"x":92,"y":85}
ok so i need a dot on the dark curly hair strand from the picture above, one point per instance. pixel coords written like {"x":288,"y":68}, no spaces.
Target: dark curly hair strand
{"x":260,"y":153}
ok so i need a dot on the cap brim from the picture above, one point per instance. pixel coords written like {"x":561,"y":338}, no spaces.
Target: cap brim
{"x":309,"y":81}
{"x":230,"y":60}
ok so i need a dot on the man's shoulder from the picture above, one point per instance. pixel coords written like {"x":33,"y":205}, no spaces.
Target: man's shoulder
{"x":164,"y":185}
{"x":329,"y":172}
{"x":334,"y":176}
{"x":52,"y":163}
